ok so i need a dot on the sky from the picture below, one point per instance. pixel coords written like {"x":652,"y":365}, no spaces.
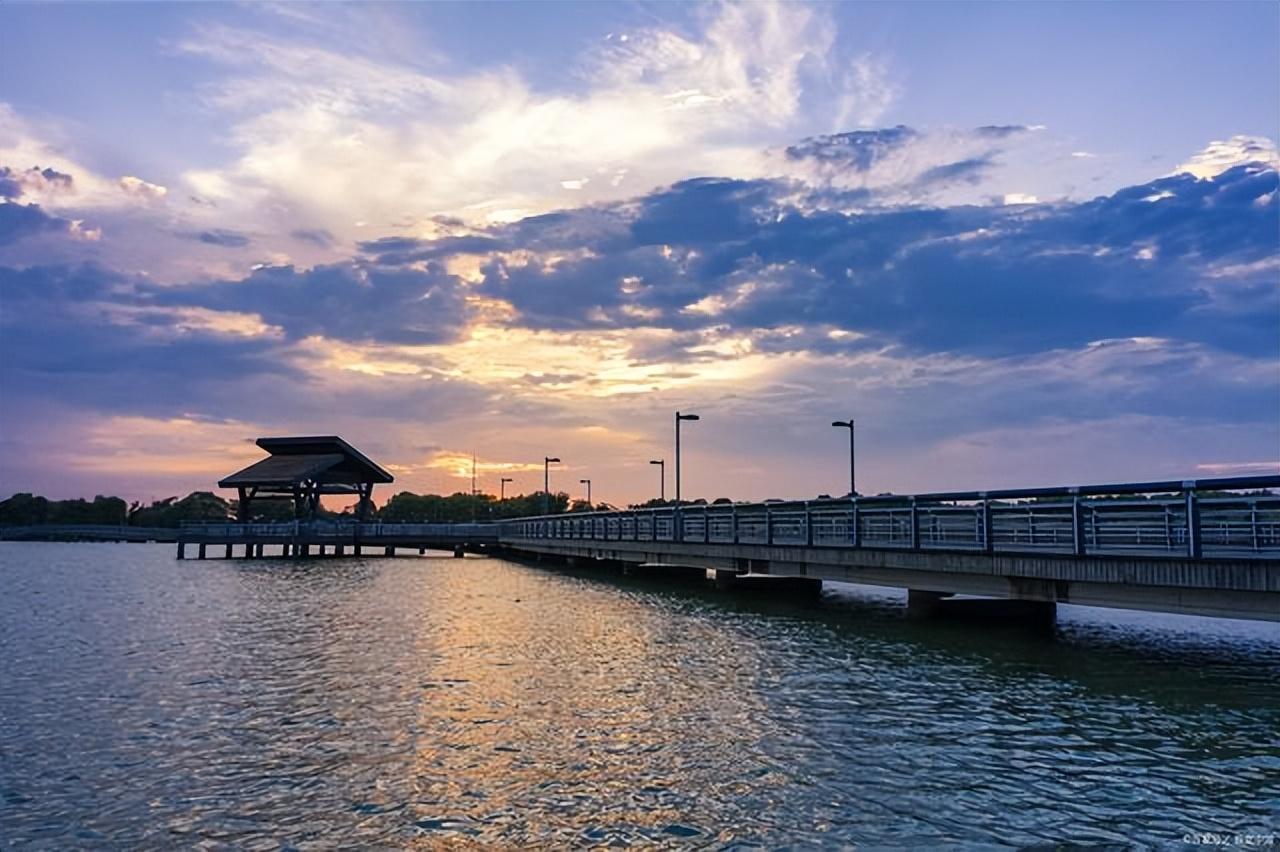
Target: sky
{"x":1020,"y":244}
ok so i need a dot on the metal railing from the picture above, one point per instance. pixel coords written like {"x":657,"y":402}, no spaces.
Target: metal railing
{"x":1171,"y":519}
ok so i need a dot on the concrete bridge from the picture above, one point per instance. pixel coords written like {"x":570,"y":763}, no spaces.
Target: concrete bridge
{"x":1187,"y":547}
{"x":1203,"y":547}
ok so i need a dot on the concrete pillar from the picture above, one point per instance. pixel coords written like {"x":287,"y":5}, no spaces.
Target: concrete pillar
{"x":922,"y":604}
{"x":182,"y":550}
{"x":306,"y":549}
{"x":339,"y":550}
{"x":227,"y":554}
{"x":1035,"y":614}
{"x":422,"y":551}
{"x":388,"y":551}
{"x":200,"y":551}
{"x":459,"y":552}
{"x":359,"y":550}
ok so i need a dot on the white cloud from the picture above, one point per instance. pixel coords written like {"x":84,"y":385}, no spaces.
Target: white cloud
{"x":1019,"y":198}
{"x":136,"y":187}
{"x":335,"y":136}
{"x":868,"y":92}
{"x":1221,"y":155}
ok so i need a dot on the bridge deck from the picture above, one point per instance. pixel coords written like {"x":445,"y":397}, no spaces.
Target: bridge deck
{"x":1206,"y":555}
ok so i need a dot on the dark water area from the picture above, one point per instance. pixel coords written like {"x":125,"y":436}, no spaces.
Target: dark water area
{"x":151,"y":703}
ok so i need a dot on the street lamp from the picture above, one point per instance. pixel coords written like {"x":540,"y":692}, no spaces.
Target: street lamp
{"x":587,"y":482}
{"x":662,"y":477}
{"x":848,"y":424}
{"x":679,"y":418}
{"x":502,"y":487}
{"x":546,"y":483}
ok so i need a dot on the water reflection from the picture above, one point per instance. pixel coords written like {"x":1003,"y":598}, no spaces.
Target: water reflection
{"x":440,"y":701}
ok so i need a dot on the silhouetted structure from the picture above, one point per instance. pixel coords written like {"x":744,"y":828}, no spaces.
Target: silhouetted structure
{"x":306,"y":468}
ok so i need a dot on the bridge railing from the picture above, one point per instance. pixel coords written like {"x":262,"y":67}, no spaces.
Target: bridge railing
{"x":1193,"y":519}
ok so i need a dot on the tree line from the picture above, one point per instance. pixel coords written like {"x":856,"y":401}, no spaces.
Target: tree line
{"x":26,"y":509}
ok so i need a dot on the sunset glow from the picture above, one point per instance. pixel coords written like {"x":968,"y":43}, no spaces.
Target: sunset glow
{"x":281,"y":220}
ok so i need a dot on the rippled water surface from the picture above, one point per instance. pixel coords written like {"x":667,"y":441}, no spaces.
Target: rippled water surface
{"x":146,"y":702}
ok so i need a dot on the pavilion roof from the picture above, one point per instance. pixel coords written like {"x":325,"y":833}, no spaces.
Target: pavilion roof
{"x":324,"y":459}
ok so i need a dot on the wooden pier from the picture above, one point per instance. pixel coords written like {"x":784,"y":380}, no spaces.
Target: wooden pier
{"x":304,"y":539}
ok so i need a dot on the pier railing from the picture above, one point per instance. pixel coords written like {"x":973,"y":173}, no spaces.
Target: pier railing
{"x":1174,"y":519}
{"x":336,"y":531}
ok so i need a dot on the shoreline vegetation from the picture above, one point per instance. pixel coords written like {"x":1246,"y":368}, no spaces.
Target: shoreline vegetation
{"x":26,"y":509}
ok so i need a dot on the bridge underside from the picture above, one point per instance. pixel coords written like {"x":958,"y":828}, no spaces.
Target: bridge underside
{"x":1217,"y":588}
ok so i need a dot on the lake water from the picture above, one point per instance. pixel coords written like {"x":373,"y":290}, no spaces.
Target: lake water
{"x":146,"y":702}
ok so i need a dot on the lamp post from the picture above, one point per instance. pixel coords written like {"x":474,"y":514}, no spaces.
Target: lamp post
{"x":662,"y":477}
{"x":680,"y":417}
{"x":546,"y":483}
{"x":679,"y":521}
{"x":587,"y":482}
{"x":502,"y":487}
{"x":848,"y":424}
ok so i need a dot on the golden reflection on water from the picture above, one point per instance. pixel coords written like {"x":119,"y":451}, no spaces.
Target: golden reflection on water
{"x":545,"y":715}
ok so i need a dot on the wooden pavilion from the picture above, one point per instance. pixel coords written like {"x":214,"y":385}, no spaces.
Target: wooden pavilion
{"x":306,"y":468}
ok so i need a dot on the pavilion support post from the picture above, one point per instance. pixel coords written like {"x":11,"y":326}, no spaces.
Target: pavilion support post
{"x":365,"y":504}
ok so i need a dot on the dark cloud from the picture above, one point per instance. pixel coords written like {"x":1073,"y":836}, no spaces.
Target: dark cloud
{"x":399,"y":251}
{"x":221,"y":237}
{"x":344,"y":301}
{"x":858,"y":149}
{"x":83,"y":335}
{"x":1145,"y":261}
{"x":1001,"y":131}
{"x":23,"y":220}
{"x":316,"y":236}
{"x":970,"y":171}
{"x":13,"y":182}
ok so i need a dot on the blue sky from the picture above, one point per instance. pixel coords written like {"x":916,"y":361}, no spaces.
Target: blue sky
{"x":1022,"y":244}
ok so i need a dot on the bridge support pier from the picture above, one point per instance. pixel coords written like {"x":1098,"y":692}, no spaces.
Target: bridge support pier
{"x":1039,"y":615}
